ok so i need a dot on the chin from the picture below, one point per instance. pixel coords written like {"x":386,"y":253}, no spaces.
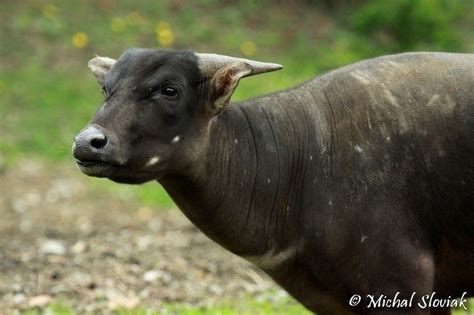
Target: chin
{"x":96,"y":169}
{"x":116,"y":173}
{"x":131,"y":180}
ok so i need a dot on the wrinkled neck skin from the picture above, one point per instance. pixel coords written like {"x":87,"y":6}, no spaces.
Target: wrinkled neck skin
{"x":235,"y":193}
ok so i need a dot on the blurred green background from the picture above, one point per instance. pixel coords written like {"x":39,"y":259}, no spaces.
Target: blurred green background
{"x":47,"y":94}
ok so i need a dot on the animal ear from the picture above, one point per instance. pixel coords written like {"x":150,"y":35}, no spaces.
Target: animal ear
{"x":99,"y":67}
{"x":225,"y":73}
{"x":224,"y":82}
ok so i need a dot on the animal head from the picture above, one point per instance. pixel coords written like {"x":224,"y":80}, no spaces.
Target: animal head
{"x":157,"y":108}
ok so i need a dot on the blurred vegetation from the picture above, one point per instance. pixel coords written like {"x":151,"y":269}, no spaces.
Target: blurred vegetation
{"x":47,"y":94}
{"x":412,"y":24}
{"x":45,"y":47}
{"x":246,"y":307}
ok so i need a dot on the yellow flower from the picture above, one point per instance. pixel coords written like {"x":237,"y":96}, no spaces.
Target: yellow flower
{"x":134,"y":18}
{"x":162,"y":26}
{"x":118,"y":25}
{"x":50,"y":11}
{"x":164,"y":34}
{"x":248,"y":48}
{"x":80,"y":40}
{"x":166,"y":38}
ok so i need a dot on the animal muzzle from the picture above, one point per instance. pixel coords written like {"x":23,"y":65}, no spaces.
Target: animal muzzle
{"x":95,"y":147}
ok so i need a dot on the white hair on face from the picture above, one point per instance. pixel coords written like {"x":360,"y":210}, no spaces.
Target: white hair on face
{"x":152,"y":161}
{"x":176,"y":139}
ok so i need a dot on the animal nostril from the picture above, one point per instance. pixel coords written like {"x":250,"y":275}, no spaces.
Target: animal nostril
{"x":98,"y":143}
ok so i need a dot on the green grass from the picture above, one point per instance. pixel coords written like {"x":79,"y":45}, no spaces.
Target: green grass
{"x":47,"y":94}
{"x":249,"y":306}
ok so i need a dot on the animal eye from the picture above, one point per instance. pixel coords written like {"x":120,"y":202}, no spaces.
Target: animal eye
{"x":170,"y":92}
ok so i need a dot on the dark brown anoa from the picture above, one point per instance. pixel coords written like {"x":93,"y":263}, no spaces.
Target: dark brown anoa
{"x":359,"y":181}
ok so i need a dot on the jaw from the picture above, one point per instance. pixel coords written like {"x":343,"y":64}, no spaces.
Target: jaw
{"x":96,"y":168}
{"x":117,"y":173}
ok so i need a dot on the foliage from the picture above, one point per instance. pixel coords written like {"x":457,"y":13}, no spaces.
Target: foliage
{"x":248,"y":306}
{"x":412,"y":24}
{"x":47,"y":94}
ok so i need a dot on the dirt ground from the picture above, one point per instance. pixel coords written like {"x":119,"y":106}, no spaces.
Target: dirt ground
{"x":62,"y":239}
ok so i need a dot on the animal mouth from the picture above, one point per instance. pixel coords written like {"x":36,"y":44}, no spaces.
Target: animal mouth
{"x":97,"y":168}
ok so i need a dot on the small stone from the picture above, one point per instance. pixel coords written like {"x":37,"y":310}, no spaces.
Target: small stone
{"x":123,"y":302}
{"x":52,"y":247}
{"x":30,"y":167}
{"x":25,"y":225}
{"x":18,"y":298}
{"x":144,"y":213}
{"x":32,"y":198}
{"x":85,"y":225}
{"x":135,"y":268}
{"x":144,"y":242}
{"x":79,"y":247}
{"x":17,"y":287}
{"x":56,"y":259}
{"x":19,"y":205}
{"x":58,"y":289}
{"x":40,"y":300}
{"x":151,"y":275}
{"x":155,"y":225}
{"x":213,"y":288}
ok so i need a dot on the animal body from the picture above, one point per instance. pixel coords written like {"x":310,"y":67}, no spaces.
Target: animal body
{"x":359,"y":181}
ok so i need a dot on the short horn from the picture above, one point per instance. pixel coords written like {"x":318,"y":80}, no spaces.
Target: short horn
{"x":210,"y":63}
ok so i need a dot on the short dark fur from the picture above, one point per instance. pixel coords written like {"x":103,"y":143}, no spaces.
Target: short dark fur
{"x":360,"y":181}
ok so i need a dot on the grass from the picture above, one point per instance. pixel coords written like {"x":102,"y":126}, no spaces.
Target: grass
{"x":248,"y":306}
{"x":46,"y":89}
{"x":283,"y":304}
{"x":47,"y":94}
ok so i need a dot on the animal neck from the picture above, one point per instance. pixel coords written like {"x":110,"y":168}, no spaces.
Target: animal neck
{"x":248,"y":194}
